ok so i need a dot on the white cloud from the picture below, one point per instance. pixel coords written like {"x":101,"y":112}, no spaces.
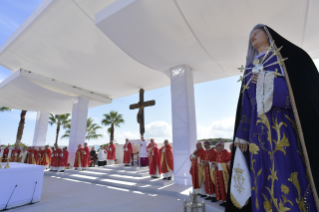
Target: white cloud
{"x":158,"y":129}
{"x":220,"y":128}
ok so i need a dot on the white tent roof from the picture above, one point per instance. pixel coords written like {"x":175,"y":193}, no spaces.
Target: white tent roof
{"x":60,"y":41}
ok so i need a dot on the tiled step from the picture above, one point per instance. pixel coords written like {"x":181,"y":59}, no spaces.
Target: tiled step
{"x":129,"y":172}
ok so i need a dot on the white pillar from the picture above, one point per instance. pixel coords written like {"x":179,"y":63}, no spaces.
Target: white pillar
{"x":78,"y":126}
{"x":184,"y":122}
{"x":41,"y":128}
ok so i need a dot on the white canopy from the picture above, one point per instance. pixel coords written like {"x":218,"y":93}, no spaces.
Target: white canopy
{"x":65,"y":40}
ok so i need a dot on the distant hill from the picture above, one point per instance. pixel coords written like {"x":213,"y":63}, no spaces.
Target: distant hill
{"x":213,"y":141}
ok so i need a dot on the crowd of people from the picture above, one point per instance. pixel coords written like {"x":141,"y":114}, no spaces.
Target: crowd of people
{"x":210,"y":171}
{"x":55,"y":159}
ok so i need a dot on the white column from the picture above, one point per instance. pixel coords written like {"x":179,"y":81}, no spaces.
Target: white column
{"x":41,"y":128}
{"x":184,"y":122}
{"x":78,"y":126}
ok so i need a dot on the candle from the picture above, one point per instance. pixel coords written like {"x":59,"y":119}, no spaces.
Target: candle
{"x":1,"y":153}
{"x":10,"y":151}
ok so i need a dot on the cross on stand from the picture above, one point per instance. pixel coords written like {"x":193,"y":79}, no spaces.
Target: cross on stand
{"x":140,"y":115}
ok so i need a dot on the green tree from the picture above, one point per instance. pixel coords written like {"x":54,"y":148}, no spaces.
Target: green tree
{"x":91,"y":129}
{"x":113,"y":119}
{"x":60,"y":120}
{"x":5,"y":109}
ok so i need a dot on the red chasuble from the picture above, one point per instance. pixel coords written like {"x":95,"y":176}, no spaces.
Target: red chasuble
{"x":52,"y":157}
{"x":46,"y":157}
{"x":64,"y":158}
{"x":5,"y":154}
{"x":40,"y":153}
{"x":149,"y":149}
{"x":167,"y":159}
{"x":56,"y":161}
{"x":78,"y":158}
{"x":15,"y":154}
{"x":87,"y":157}
{"x":222,"y":177}
{"x":209,"y":155}
{"x":155,"y":161}
{"x":127,"y":152}
{"x":197,"y":171}
{"x":33,"y":157}
{"x":111,"y":153}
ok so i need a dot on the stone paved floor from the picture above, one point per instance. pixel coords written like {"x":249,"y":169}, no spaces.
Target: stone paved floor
{"x":71,"y":195}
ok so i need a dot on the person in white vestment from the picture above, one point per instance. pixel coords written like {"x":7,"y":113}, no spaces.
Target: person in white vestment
{"x":101,"y":157}
{"x":23,"y":154}
{"x":143,"y":153}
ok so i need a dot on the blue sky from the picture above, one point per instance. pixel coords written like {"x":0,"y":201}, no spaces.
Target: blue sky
{"x":215,"y":101}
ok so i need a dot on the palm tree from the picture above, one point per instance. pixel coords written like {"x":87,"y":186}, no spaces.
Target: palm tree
{"x":5,"y":109}
{"x":60,"y":120}
{"x":114,"y":119}
{"x":90,"y":130}
{"x":20,"y":128}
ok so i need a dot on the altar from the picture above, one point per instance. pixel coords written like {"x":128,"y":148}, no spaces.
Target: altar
{"x":23,"y":182}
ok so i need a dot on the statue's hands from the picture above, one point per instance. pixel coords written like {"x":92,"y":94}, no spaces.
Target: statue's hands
{"x":254,"y":78}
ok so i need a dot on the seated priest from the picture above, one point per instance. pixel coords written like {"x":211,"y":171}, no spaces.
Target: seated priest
{"x":197,"y":170}
{"x":167,"y":161}
{"x":111,"y":153}
{"x":15,"y":154}
{"x":64,"y":156}
{"x":207,"y":158}
{"x":127,"y":153}
{"x":154,"y":160}
{"x":33,"y":156}
{"x":221,"y":172}
{"x":78,"y":158}
{"x":46,"y":157}
{"x":86,"y":157}
{"x":101,"y":156}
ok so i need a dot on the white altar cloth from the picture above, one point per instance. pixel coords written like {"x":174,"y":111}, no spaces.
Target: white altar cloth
{"x":25,"y":177}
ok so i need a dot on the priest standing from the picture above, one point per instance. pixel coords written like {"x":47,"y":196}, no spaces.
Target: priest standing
{"x":197,"y":170}
{"x":143,"y":153}
{"x":15,"y":154}
{"x":33,"y":156}
{"x":86,"y":156}
{"x":101,"y":156}
{"x":40,"y":153}
{"x":111,"y":154}
{"x":167,"y":161}
{"x":154,"y":160}
{"x":127,"y":152}
{"x":78,"y":158}
{"x":221,"y":172}
{"x":46,"y":157}
{"x":64,"y":156}
{"x":23,"y":155}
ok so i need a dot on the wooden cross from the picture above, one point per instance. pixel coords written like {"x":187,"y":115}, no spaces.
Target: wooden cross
{"x":140,"y":115}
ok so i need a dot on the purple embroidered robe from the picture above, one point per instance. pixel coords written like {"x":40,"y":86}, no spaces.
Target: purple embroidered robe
{"x":277,"y":168}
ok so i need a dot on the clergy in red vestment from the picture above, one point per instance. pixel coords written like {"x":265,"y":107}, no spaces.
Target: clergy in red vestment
{"x":111,"y":154}
{"x":128,"y":149}
{"x":63,"y":159}
{"x":197,"y":170}
{"x":78,"y":158}
{"x":5,"y":154}
{"x":207,"y":158}
{"x":167,"y":161}
{"x":15,"y":154}
{"x":86,"y":157}
{"x":149,"y":148}
{"x":46,"y":157}
{"x":56,"y":160}
{"x":52,"y":155}
{"x":154,"y":161}
{"x":40,"y":153}
{"x":221,"y":172}
{"x":33,"y":156}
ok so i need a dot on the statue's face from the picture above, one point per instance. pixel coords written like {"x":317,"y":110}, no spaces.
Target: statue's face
{"x":259,"y":38}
